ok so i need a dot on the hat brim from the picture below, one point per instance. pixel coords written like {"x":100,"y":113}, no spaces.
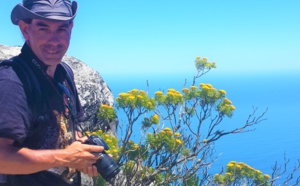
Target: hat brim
{"x":20,"y":13}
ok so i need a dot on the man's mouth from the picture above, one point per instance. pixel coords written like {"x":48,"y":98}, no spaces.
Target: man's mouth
{"x":52,"y":51}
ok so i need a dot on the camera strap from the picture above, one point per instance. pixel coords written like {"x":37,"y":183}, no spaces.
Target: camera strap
{"x":69,"y":104}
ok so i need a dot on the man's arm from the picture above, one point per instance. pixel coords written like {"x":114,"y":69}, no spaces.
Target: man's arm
{"x":15,"y":160}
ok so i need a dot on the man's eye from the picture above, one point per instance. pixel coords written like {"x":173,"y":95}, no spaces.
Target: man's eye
{"x":62,"y":29}
{"x":42,"y":29}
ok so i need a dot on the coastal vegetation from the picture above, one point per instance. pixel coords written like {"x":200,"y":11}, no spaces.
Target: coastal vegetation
{"x":169,"y":139}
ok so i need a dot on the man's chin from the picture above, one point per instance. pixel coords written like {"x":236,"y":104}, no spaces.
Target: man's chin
{"x":52,"y":61}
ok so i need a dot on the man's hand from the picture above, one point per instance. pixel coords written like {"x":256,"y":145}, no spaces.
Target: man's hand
{"x":82,"y":156}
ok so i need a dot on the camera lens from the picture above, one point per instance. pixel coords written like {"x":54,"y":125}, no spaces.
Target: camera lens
{"x":107,"y":168}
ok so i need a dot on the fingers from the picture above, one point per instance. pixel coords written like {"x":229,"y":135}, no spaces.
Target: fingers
{"x":82,"y":139}
{"x":85,"y":147}
{"x":84,"y":170}
{"x":89,"y":147}
{"x":94,"y":148}
{"x":91,"y":171}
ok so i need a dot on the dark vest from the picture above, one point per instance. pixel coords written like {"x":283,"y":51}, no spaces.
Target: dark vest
{"x":32,"y":79}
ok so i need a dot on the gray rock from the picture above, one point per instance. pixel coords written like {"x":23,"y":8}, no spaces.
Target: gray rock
{"x":93,"y":91}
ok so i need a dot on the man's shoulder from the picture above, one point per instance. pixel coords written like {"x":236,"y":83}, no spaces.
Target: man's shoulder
{"x":7,"y":72}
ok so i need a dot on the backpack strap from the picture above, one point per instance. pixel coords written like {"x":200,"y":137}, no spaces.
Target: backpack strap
{"x":34,"y":97}
{"x":69,"y":76}
{"x":71,"y":82}
{"x":25,"y":75}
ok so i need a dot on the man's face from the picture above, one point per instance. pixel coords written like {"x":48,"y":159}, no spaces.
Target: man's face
{"x":49,"y":40}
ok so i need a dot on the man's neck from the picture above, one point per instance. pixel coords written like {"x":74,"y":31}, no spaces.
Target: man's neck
{"x":51,"y":71}
{"x":26,"y":50}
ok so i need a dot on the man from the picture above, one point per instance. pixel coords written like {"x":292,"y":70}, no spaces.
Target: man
{"x":39,"y":139}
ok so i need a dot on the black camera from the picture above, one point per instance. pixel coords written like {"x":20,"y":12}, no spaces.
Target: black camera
{"x":106,"y":167}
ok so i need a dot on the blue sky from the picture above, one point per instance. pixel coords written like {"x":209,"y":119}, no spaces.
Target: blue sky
{"x":161,"y":36}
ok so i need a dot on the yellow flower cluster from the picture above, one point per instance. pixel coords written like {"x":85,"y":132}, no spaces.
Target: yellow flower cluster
{"x":177,"y":134}
{"x":134,"y":91}
{"x":178,"y":141}
{"x":185,"y":90}
{"x":154,"y":119}
{"x":207,"y":93}
{"x":202,"y":64}
{"x":106,"y":112}
{"x":135,"y":146}
{"x":106,"y":106}
{"x":223,"y":92}
{"x":172,"y":97}
{"x":167,"y":129}
{"x":171,"y":141}
{"x":159,"y":93}
{"x":240,"y":170}
{"x":227,"y":101}
{"x":135,"y":99}
{"x":130,"y":142}
{"x":193,"y":88}
{"x":226,"y":107}
{"x":206,"y":86}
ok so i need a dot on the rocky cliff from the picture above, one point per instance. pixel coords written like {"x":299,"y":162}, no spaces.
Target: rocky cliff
{"x":92,"y":89}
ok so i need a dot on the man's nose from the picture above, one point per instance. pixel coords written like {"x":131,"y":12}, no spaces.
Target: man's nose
{"x":54,"y":37}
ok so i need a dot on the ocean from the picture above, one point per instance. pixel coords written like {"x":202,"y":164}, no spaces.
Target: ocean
{"x":270,"y":140}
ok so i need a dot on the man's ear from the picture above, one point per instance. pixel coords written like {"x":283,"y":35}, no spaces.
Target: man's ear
{"x":71,"y":26}
{"x":24,"y":29}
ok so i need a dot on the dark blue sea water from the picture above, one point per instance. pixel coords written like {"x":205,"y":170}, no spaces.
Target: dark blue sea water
{"x":271,"y":139}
